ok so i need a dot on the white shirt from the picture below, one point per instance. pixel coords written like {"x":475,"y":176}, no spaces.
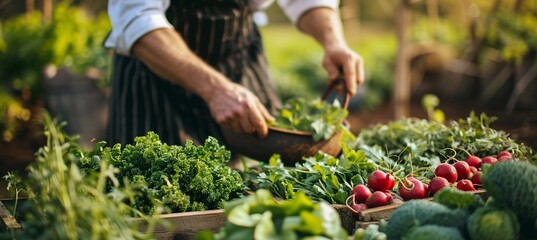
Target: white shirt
{"x":131,"y":19}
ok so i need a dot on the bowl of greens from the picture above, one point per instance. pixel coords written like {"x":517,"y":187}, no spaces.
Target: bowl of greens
{"x":301,"y":129}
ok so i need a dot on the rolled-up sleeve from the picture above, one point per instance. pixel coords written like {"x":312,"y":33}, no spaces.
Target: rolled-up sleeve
{"x":294,"y":9}
{"x":132,"y":19}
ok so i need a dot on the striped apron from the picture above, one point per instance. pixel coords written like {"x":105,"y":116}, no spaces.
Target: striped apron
{"x":221,"y":32}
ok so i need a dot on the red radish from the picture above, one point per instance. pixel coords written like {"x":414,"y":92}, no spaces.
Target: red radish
{"x":436,"y":184}
{"x":463,"y":170}
{"x":378,"y":198}
{"x":476,"y":178}
{"x":359,"y":206}
{"x":412,"y":188}
{"x":504,"y":153}
{"x":390,"y":197}
{"x":489,"y":160}
{"x":446,"y":171}
{"x":504,"y":158}
{"x":473,"y":170}
{"x":474,"y":161}
{"x":465,"y":185}
{"x":426,"y":189}
{"x":361,"y":192}
{"x":380,"y":181}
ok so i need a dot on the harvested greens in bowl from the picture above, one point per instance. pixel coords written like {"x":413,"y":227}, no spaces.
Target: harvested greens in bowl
{"x":315,"y":116}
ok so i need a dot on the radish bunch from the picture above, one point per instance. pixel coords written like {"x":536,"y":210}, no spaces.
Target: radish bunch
{"x":464,"y":175}
{"x":376,"y":193}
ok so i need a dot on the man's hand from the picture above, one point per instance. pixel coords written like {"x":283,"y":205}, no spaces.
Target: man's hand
{"x":325,"y":26}
{"x":237,"y":108}
{"x":351,"y":64}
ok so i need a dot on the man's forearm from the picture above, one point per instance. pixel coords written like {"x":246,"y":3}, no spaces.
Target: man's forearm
{"x":165,"y":53}
{"x":324,"y":25}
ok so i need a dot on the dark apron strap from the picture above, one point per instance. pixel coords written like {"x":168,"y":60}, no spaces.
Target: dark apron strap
{"x":225,"y":36}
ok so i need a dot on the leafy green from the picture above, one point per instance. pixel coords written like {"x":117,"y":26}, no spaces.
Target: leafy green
{"x":316,"y":116}
{"x":320,"y":177}
{"x":419,"y":143}
{"x":64,"y":203}
{"x":454,"y":198}
{"x":259,"y":216}
{"x":182,"y":178}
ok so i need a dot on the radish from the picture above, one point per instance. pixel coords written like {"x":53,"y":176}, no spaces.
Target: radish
{"x":436,"y":184}
{"x":359,"y":207}
{"x":380,"y":181}
{"x":463,"y":170}
{"x":361,"y":192}
{"x":446,"y":171}
{"x":378,"y":198}
{"x":465,"y":185}
{"x":489,"y":160}
{"x":474,"y":161}
{"x":504,"y":158}
{"x":504,"y":153}
{"x":412,"y":188}
{"x":473,"y":169}
{"x":476,"y":178}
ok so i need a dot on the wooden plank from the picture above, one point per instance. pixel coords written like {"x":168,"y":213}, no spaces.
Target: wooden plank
{"x":375,"y":214}
{"x":8,"y":221}
{"x":186,"y":225}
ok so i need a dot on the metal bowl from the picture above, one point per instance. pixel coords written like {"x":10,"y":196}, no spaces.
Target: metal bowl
{"x":291,"y":145}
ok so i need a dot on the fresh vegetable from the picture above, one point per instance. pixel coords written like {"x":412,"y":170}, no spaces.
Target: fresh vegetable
{"x":412,"y":188}
{"x":259,"y":216}
{"x":64,"y":203}
{"x":371,"y":232}
{"x":493,"y":224}
{"x":447,"y":171}
{"x":476,"y":178}
{"x":416,"y":213}
{"x":358,"y":206}
{"x":321,"y":177}
{"x":182,"y":178}
{"x":319,"y":117}
{"x":378,"y":198}
{"x":512,"y":185}
{"x":436,"y":184}
{"x":433,"y":232}
{"x":489,"y":160}
{"x":505,"y":154}
{"x":456,"y":199}
{"x":463,"y":169}
{"x":380,"y":181}
{"x":474,"y":161}
{"x":361,"y":192}
{"x":465,"y":185}
{"x":426,"y":144}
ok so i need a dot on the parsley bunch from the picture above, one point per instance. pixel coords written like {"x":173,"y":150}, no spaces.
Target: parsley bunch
{"x":182,"y":178}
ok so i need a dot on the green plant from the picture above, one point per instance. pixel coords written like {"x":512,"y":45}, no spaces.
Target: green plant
{"x":64,"y":203}
{"x":181,"y":178}
{"x":316,"y":116}
{"x":12,"y":114}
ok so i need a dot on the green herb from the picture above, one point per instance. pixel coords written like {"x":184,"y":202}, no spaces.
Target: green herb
{"x":316,"y":116}
{"x":259,"y":216}
{"x":182,"y":178}
{"x":321,"y":177}
{"x":63,"y":203}
{"x":423,"y":144}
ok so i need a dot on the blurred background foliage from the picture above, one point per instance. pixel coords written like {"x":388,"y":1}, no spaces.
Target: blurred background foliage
{"x":476,"y":32}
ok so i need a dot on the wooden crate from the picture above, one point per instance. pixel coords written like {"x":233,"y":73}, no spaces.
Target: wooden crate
{"x":374,"y":215}
{"x":8,"y":221}
{"x":184,"y":226}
